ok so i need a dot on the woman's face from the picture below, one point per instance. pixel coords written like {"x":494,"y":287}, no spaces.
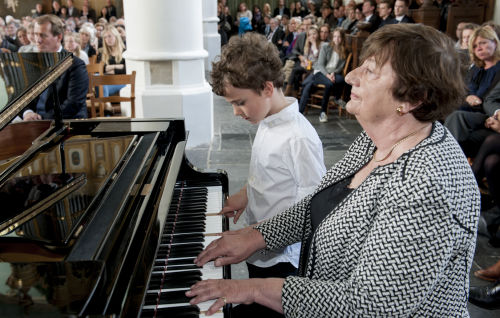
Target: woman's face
{"x":298,"y":5}
{"x":243,"y":7}
{"x":109,"y":38}
{"x":484,"y":49}
{"x":337,"y":38}
{"x":312,"y":35}
{"x":371,"y":95}
{"x":70,"y":43}
{"x":466,"y":33}
{"x":85,"y":38}
{"x":122,"y":32}
{"x":358,"y":14}
{"x":23,"y":37}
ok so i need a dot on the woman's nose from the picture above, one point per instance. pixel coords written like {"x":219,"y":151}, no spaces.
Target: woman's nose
{"x":352,"y":77}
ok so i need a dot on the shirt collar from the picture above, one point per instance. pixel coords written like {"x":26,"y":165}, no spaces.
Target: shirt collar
{"x":283,"y":116}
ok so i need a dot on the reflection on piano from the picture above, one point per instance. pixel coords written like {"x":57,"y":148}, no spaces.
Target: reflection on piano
{"x":101,"y":217}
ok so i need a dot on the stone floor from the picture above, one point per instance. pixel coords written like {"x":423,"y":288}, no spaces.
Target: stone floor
{"x":231,"y":147}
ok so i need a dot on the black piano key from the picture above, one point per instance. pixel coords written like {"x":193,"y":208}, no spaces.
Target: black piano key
{"x":198,"y":217}
{"x":169,"y":297}
{"x":187,"y":266}
{"x":172,"y":261}
{"x":180,"y":251}
{"x":182,"y":238}
{"x":174,"y":280}
{"x":185,"y":228}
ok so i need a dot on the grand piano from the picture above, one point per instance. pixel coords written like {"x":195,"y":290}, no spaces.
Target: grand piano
{"x":99,"y":217}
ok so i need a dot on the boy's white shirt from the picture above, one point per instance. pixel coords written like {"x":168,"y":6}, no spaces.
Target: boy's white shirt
{"x":286,"y":164}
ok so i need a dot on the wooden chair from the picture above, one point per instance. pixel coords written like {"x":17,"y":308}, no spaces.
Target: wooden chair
{"x":118,"y":79}
{"x":317,"y":96}
{"x":94,"y":68}
{"x":93,"y":59}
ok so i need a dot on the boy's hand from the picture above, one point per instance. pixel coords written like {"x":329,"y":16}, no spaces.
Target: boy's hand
{"x":235,"y":205}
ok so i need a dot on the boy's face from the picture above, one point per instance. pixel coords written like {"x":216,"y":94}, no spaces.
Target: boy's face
{"x":248,"y":104}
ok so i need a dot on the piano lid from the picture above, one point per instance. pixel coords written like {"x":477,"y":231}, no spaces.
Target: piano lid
{"x":24,"y":76}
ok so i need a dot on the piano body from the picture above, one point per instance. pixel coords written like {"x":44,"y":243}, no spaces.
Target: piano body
{"x":98,"y":217}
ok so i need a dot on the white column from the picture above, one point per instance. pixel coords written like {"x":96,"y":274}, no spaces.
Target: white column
{"x":165,"y":48}
{"x":211,"y":37}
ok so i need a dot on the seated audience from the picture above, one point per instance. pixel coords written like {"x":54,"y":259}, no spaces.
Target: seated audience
{"x":56,"y":8}
{"x":324,"y":33}
{"x":281,"y":9}
{"x":258,"y":23}
{"x":463,"y":45}
{"x":275,"y":34}
{"x":31,"y":46}
{"x":360,"y":18}
{"x":266,"y":10}
{"x":87,"y":38}
{"x":22,"y":36}
{"x":72,"y":11}
{"x":391,"y":230}
{"x":110,"y":10}
{"x":38,"y":10}
{"x":290,"y":39}
{"x":328,"y":71}
{"x":482,"y":101}
{"x":88,"y":12}
{"x":242,"y":12}
{"x":371,"y":15}
{"x":300,"y":11}
{"x":350,"y":20}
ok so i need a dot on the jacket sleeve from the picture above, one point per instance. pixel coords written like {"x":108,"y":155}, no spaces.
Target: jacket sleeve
{"x":491,"y":102}
{"x":322,"y":59}
{"x":74,"y":106}
{"x":410,"y":241}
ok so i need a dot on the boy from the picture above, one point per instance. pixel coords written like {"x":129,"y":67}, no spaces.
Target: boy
{"x":287,"y":155}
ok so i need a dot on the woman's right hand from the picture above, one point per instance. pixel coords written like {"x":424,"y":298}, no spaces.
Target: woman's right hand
{"x":233,"y":247}
{"x":235,"y":205}
{"x":492,"y":123}
{"x":473,"y":100}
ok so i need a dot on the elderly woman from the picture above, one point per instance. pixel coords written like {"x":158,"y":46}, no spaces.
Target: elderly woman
{"x":391,"y":229}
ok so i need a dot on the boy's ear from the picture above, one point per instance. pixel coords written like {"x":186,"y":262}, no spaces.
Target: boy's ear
{"x":268,"y":89}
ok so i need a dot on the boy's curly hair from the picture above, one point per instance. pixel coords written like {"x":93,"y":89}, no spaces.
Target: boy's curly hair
{"x":247,"y":62}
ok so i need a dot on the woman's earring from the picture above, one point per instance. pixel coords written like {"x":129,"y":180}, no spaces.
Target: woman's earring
{"x":399,"y":110}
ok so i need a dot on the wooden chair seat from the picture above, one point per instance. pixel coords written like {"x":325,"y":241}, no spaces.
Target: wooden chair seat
{"x":117,"y":79}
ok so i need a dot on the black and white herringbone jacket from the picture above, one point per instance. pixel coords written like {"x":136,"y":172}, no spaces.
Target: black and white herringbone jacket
{"x":400,"y":245}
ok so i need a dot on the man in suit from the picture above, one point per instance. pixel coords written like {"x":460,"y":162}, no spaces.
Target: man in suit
{"x":385,"y":13}
{"x":72,"y":11}
{"x":281,"y":9}
{"x":276,"y":34}
{"x":400,"y":10}
{"x":72,"y":85}
{"x":370,"y":15}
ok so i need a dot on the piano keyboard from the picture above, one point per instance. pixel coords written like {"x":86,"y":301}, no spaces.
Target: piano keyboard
{"x":192,"y":223}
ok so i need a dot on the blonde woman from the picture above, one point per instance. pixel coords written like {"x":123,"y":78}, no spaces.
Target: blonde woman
{"x":111,"y":55}
{"x":72,"y":44}
{"x":266,"y":10}
{"x":306,"y":61}
{"x":327,"y":71}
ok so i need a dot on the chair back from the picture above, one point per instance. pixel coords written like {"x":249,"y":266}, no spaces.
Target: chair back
{"x":347,"y":66}
{"x":117,"y":79}
{"x":93,"y":59}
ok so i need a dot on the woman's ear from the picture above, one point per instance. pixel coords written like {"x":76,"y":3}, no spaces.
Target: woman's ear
{"x":408,"y":106}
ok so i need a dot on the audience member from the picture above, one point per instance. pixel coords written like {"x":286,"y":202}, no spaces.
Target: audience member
{"x":289,"y":39}
{"x":31,"y":46}
{"x":463,"y":45}
{"x":328,"y":71}
{"x":385,"y":13}
{"x":281,"y":9}
{"x":483,"y":98}
{"x":112,"y":56}
{"x":72,"y":44}
{"x":123,"y":34}
{"x":22,"y":36}
{"x":300,"y":11}
{"x":104,"y":13}
{"x":11,"y":36}
{"x":110,"y":10}
{"x":401,"y":10}
{"x":63,"y":13}
{"x":275,"y":34}
{"x":313,"y":9}
{"x":242,"y":12}
{"x":324,"y":33}
{"x":266,"y":10}
{"x":339,"y":14}
{"x":350,"y":20}
{"x":71,"y":87}
{"x":87,"y":38}
{"x":371,"y":15}
{"x":72,"y":11}
{"x":88,"y":12}
{"x":287,"y":155}
{"x":38,"y":10}
{"x":360,"y":18}
{"x":327,"y":16}
{"x":306,"y":61}
{"x":56,"y":8}
{"x":258,"y":23}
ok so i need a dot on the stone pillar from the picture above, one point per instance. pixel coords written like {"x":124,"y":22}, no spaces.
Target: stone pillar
{"x":211,"y":36}
{"x":165,"y":48}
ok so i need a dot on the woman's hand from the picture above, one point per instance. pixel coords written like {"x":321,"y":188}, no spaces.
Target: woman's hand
{"x":492,"y":123}
{"x":233,"y":247}
{"x":235,"y":205}
{"x":331,"y":77}
{"x":266,"y":292}
{"x":473,"y":100}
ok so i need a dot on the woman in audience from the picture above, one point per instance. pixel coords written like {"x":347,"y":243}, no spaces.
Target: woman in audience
{"x":266,"y":10}
{"x":391,"y":230}
{"x":72,"y":44}
{"x":359,"y":17}
{"x":31,"y":46}
{"x":300,"y":11}
{"x":104,"y":13}
{"x":327,"y":71}
{"x":306,"y":61}
{"x":258,"y":24}
{"x":242,"y":12}
{"x":350,"y":20}
{"x":112,"y":56}
{"x":463,"y":45}
{"x":484,"y":51}
{"x":87,"y":38}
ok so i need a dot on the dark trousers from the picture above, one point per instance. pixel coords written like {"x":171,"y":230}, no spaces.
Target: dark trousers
{"x":280,"y":270}
{"x":315,"y":79}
